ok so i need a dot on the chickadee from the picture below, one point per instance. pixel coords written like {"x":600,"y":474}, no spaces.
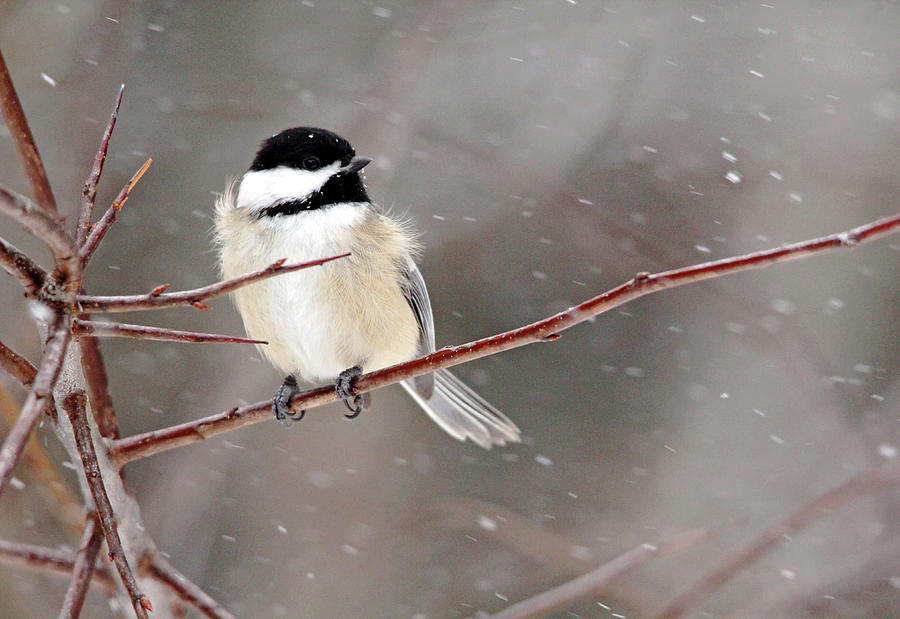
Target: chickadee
{"x":303,"y":199}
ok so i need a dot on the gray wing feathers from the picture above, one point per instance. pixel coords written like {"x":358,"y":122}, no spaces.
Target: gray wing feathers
{"x":417,"y":295}
{"x":456,"y":408}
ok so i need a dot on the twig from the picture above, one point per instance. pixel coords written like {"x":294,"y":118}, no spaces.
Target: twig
{"x":20,"y":266}
{"x":158,"y":299}
{"x":142,"y":445}
{"x":75,"y":408}
{"x":49,"y":559}
{"x":99,"y":229}
{"x":17,"y":366}
{"x":860,"y":485}
{"x":97,"y":381}
{"x":83,"y":569}
{"x":89,"y":193}
{"x":44,"y":226}
{"x":187,"y":590}
{"x":39,"y":397}
{"x":118,"y":329}
{"x":592,"y":583}
{"x":22,"y":138}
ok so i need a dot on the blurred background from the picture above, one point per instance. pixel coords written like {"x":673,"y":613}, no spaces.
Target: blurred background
{"x":547,"y":151}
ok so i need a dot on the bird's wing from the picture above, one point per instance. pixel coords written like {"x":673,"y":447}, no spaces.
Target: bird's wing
{"x":416,"y":294}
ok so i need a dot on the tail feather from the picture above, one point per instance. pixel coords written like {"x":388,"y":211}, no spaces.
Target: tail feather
{"x":464,"y":414}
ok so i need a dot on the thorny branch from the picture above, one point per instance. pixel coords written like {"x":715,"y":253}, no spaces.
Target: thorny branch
{"x":74,"y":404}
{"x":548,"y":329}
{"x":163,"y":571}
{"x":99,"y":229}
{"x":159,"y":299}
{"x":51,"y":559}
{"x":89,"y":193}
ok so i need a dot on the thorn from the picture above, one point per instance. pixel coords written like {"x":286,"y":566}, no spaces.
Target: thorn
{"x":145,"y":604}
{"x":642,"y":276}
{"x":159,"y":290}
{"x":552,"y":337}
{"x":200,"y":305}
{"x":278,"y":263}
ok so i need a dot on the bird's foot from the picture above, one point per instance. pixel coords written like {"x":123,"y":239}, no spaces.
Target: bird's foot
{"x":281,"y":403}
{"x":346,"y":390}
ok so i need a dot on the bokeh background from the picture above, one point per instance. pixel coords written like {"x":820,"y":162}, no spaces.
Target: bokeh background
{"x":547,"y":150}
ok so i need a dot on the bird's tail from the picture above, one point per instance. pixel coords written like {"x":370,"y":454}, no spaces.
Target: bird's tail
{"x":463,"y":414}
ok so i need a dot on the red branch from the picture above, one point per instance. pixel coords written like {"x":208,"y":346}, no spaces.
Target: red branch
{"x":158,"y":299}
{"x":40,"y":396}
{"x":143,"y":445}
{"x":82,"y":569}
{"x":593,"y":583}
{"x":22,"y":138}
{"x":163,"y":571}
{"x":860,"y":485}
{"x":99,"y":229}
{"x":118,"y":329}
{"x":75,"y":408}
{"x":23,"y":268}
{"x":89,"y":193}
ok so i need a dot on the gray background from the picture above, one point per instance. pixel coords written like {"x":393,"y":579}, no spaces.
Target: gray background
{"x":547,"y":151}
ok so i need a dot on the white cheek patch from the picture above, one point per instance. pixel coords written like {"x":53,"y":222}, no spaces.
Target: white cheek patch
{"x":264,"y":188}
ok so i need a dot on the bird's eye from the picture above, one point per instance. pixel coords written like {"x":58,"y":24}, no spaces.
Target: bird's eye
{"x":311,"y":163}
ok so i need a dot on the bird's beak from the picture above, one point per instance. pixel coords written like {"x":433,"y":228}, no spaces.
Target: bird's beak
{"x":356,"y":164}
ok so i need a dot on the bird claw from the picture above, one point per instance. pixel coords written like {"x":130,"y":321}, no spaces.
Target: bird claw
{"x":346,"y":391}
{"x":281,"y":403}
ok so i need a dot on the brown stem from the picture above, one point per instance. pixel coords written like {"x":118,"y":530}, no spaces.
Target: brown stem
{"x":40,"y":396}
{"x":83,"y":569}
{"x":186,"y":590}
{"x":97,"y":381}
{"x":857,"y":486}
{"x":89,"y":193}
{"x":20,"y":266}
{"x":48,"y":559}
{"x":545,"y":330}
{"x":17,"y":366}
{"x":157,"y":299}
{"x":44,"y":226}
{"x":118,"y":329}
{"x":24,"y":142}
{"x":99,"y":229}
{"x":593,"y":583}
{"x":75,"y":408}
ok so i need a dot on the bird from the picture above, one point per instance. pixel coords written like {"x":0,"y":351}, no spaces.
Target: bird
{"x":303,"y":198}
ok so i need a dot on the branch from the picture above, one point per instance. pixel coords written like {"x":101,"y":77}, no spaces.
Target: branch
{"x":158,"y":299}
{"x":17,"y":366}
{"x":89,"y":193}
{"x":25,"y":146}
{"x":83,"y":569}
{"x":23,"y":268}
{"x":99,"y":229}
{"x":44,"y":226}
{"x":75,"y":408}
{"x":99,"y":395}
{"x":40,"y":396}
{"x":163,"y":571}
{"x":118,"y":329}
{"x":143,"y":445}
{"x":860,"y":485}
{"x":40,"y":557}
{"x":592,"y":583}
